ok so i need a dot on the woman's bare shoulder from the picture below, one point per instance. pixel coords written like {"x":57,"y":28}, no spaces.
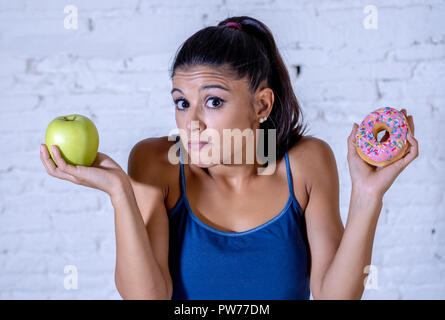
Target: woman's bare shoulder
{"x":149,"y":159}
{"x":309,"y":148}
{"x":311,"y":157}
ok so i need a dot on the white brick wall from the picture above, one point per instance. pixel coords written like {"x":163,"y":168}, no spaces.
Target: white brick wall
{"x":114,"y":68}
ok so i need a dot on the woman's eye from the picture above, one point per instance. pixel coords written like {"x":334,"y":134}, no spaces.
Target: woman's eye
{"x":216,"y":102}
{"x":178,"y":104}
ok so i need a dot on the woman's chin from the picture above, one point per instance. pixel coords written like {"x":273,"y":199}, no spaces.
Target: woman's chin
{"x":201,"y":159}
{"x":203,"y":165}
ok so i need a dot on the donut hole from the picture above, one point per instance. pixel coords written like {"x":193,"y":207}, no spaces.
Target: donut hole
{"x":382,"y":135}
{"x":381,"y":131}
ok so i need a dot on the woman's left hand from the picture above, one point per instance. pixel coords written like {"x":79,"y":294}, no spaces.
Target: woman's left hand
{"x":377,"y":180}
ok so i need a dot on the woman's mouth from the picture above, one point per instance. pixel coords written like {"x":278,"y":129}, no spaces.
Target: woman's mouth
{"x":197,"y":145}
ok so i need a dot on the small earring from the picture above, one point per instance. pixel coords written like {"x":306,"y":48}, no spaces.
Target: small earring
{"x":263,"y":119}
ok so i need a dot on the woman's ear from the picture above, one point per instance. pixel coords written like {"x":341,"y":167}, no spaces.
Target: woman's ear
{"x":265,"y":99}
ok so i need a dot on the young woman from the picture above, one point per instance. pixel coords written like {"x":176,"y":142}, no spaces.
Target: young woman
{"x":198,"y":230}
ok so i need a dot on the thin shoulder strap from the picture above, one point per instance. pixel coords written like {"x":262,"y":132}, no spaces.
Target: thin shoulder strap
{"x":181,"y":164}
{"x":289,"y":175}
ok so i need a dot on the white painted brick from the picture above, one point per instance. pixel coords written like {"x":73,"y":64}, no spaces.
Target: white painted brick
{"x":382,"y":294}
{"x":6,"y":5}
{"x":22,"y":222}
{"x":85,"y":200}
{"x":404,"y":235}
{"x":428,"y":292}
{"x":115,"y":70}
{"x":57,"y":6}
{"x":24,"y":262}
{"x":420,"y":52}
{"x":396,"y":89}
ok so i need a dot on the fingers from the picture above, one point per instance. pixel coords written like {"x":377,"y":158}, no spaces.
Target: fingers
{"x":102,"y":160}
{"x":62,"y":170}
{"x":413,"y":152}
{"x":411,"y":124}
{"x":61,"y":163}
{"x":410,"y":120}
{"x":403,"y":110}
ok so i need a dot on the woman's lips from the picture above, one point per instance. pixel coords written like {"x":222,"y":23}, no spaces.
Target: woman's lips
{"x":195,"y":145}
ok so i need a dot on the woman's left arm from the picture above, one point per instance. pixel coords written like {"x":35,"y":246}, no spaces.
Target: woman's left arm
{"x":340,"y":273}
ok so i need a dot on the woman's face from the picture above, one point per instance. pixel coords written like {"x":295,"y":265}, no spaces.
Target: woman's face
{"x":208,"y":101}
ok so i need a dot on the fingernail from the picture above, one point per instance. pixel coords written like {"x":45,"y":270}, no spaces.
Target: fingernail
{"x":53,"y":147}
{"x":41,"y":148}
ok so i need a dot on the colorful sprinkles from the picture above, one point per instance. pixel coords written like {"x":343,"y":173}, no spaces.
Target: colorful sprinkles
{"x":382,"y":151}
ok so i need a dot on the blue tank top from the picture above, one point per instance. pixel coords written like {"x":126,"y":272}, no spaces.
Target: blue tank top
{"x":269,"y":262}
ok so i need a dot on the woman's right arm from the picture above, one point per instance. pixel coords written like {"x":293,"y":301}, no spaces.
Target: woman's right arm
{"x":141,"y":222}
{"x":138,"y":275}
{"x":142,"y":232}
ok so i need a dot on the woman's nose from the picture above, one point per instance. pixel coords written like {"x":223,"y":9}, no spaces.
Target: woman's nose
{"x":195,"y":122}
{"x":195,"y":125}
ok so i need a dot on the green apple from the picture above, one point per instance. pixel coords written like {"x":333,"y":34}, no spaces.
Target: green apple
{"x":77,"y":138}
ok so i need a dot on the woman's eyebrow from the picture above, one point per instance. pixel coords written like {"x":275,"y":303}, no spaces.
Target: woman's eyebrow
{"x":210,"y":86}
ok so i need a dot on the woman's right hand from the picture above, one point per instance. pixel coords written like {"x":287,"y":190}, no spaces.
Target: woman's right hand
{"x":104,"y":174}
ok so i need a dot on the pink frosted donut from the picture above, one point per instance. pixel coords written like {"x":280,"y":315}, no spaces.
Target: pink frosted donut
{"x":382,"y":153}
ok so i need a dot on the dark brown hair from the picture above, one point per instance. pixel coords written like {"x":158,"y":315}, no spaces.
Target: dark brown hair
{"x":250,"y":52}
